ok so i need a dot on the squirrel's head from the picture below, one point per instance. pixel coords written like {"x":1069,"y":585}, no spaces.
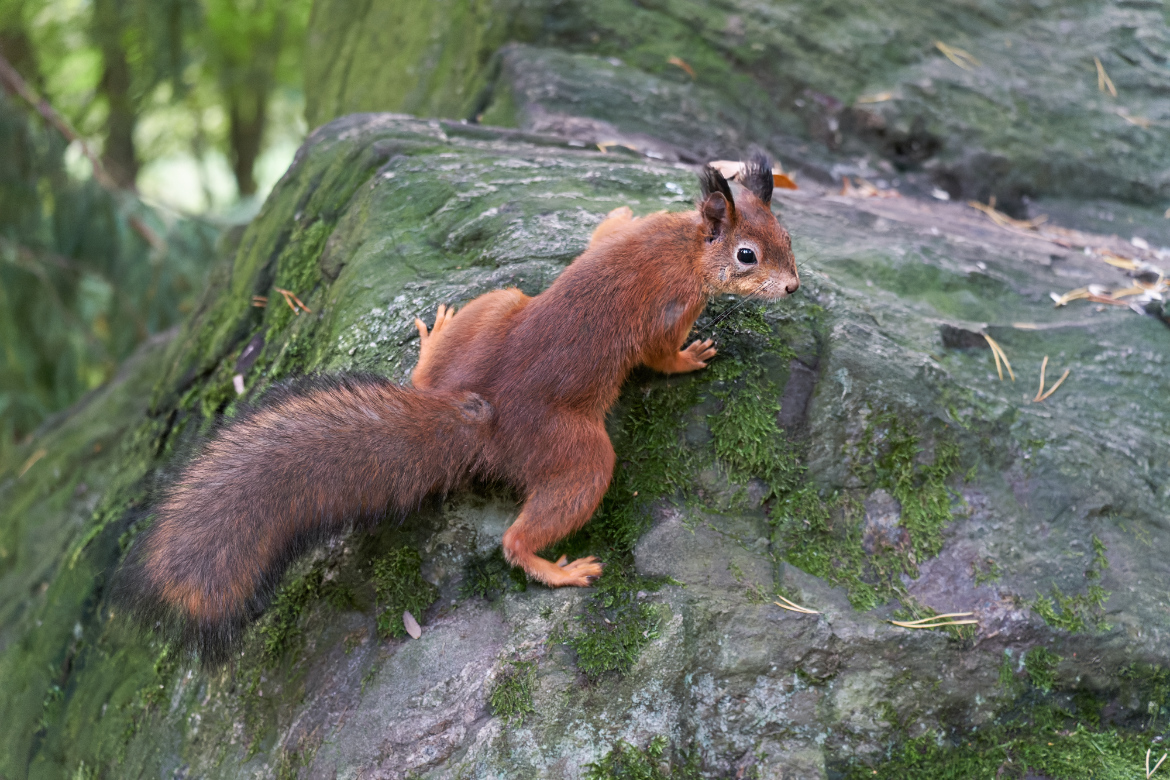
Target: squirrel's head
{"x":745,"y":251}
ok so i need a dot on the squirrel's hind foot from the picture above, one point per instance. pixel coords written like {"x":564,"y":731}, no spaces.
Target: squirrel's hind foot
{"x":580,"y":573}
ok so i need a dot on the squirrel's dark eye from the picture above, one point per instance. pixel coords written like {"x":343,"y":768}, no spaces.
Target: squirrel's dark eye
{"x":746,"y":256}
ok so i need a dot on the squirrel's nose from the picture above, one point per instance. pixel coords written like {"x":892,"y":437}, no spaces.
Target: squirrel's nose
{"x":793,"y":287}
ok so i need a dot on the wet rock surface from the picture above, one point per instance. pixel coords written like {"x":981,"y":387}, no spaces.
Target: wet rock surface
{"x":383,"y":217}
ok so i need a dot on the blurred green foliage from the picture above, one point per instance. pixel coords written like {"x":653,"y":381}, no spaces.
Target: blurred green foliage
{"x":79,"y":287}
{"x":180,"y":98}
{"x":183,"y":92}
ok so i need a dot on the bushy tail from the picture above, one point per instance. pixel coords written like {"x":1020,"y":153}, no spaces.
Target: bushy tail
{"x":272,"y":483}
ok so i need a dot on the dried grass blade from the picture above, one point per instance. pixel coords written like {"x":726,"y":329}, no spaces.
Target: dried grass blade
{"x":902,"y":624}
{"x":1040,"y":392}
{"x":28,"y":464}
{"x":997,"y":350}
{"x":793,"y":606}
{"x":963,"y":59}
{"x":994,"y":354}
{"x":680,"y":63}
{"x":938,"y":617}
{"x":1059,"y":382}
{"x":1104,"y":83}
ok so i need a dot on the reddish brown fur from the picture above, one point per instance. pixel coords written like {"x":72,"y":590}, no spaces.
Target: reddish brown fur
{"x":512,"y":387}
{"x":552,"y":366}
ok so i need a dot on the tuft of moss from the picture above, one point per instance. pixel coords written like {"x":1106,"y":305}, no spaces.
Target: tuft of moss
{"x":1149,"y":683}
{"x":1084,"y":610}
{"x":989,"y":571}
{"x":616,"y":626}
{"x":280,"y":626}
{"x":1041,"y":736}
{"x":823,"y":537}
{"x":1015,"y":750}
{"x":919,"y":488}
{"x":399,"y":587}
{"x":1040,"y":664}
{"x":628,"y":762}
{"x":511,"y":697}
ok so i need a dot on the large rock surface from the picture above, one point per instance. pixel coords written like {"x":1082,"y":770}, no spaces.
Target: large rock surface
{"x":875,"y":370}
{"x":842,"y":87}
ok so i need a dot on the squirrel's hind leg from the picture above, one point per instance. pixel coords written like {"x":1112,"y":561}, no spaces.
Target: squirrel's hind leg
{"x":559,"y":505}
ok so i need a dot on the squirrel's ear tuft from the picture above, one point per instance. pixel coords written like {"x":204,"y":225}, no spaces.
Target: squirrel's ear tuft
{"x":717,"y":206}
{"x":757,"y":177}
{"x":711,"y":181}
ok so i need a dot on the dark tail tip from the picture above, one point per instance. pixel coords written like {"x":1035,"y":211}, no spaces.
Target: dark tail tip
{"x":134,"y":593}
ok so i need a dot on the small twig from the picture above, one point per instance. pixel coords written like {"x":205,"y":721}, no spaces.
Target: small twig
{"x":1059,"y":382}
{"x":1104,"y":83}
{"x":793,"y":607}
{"x":259,"y":301}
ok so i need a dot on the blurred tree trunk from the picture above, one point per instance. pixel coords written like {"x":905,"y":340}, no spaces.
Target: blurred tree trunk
{"x":248,"y":112}
{"x":119,"y":156}
{"x":248,"y":45}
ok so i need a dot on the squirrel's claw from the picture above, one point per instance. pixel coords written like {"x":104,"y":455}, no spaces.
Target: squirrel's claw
{"x":697,"y":354}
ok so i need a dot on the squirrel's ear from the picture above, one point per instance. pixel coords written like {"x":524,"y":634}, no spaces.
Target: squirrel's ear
{"x":757,"y":177}
{"x":717,"y":206}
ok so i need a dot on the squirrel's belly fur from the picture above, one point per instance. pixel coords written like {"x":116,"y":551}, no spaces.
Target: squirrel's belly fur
{"x":511,"y":388}
{"x":316,"y":455}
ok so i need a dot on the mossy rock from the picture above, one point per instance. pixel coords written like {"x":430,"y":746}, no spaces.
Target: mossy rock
{"x":841,"y":406}
{"x":995,"y":98}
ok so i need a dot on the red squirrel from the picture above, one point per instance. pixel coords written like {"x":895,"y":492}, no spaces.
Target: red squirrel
{"x":510,"y":387}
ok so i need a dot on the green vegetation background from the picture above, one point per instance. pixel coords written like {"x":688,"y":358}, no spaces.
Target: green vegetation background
{"x":181,"y":99}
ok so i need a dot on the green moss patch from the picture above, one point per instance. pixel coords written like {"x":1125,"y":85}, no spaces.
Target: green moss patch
{"x":1043,"y":732}
{"x":400,"y":587}
{"x":280,"y":627}
{"x":1084,"y":610}
{"x":511,"y":696}
{"x":616,"y":625}
{"x":824,"y":535}
{"x":628,"y":762}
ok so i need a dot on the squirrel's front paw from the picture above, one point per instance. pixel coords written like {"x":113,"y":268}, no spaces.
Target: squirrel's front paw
{"x":696,"y":356}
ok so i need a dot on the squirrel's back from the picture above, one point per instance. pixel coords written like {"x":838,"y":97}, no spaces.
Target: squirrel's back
{"x":316,"y":455}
